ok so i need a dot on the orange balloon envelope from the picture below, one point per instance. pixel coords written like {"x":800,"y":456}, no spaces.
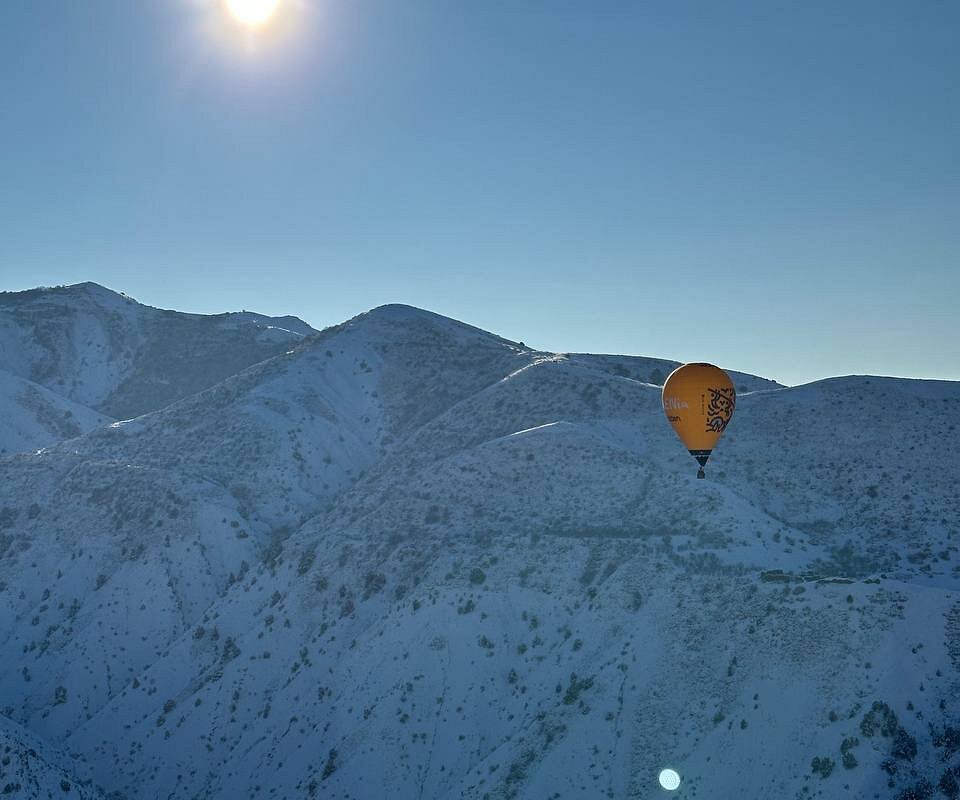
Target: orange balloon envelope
{"x":698,"y":400}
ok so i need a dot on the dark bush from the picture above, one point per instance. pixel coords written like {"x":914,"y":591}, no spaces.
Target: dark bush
{"x":373,"y":584}
{"x":949,"y":740}
{"x":575,"y":688}
{"x":8,"y":516}
{"x":822,"y":766}
{"x":879,"y":719}
{"x":919,"y":791}
{"x":477,"y":576}
{"x":306,"y":561}
{"x":848,"y":759}
{"x":904,"y":746}
{"x":949,"y":786}
{"x":230,"y":650}
{"x":331,"y":766}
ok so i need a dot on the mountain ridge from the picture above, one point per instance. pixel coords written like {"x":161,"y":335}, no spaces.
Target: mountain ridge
{"x":109,"y":356}
{"x":404,"y":557}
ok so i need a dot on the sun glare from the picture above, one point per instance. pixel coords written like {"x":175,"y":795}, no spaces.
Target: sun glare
{"x":252,"y":13}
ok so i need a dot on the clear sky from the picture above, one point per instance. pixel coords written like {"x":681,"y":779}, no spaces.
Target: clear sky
{"x":773,"y":186}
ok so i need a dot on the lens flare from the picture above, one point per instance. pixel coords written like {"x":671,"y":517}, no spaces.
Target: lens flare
{"x":670,"y":779}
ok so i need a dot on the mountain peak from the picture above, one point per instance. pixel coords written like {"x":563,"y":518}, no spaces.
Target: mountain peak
{"x":401,"y":312}
{"x":91,"y":287}
{"x":100,"y":295}
{"x":402,"y":315}
{"x":85,"y":289}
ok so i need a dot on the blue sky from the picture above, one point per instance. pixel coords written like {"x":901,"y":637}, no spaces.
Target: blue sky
{"x":772,"y":187}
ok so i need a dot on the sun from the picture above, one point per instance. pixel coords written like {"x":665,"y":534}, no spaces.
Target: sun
{"x":252,"y":13}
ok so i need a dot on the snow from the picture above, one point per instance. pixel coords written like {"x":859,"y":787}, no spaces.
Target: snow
{"x":30,"y":768}
{"x":35,"y":417}
{"x":404,"y":557}
{"x":103,"y":350}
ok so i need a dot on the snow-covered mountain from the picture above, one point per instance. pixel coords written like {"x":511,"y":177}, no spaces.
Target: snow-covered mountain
{"x":33,"y":416}
{"x":408,"y":558}
{"x":97,"y":354}
{"x":28,"y":768}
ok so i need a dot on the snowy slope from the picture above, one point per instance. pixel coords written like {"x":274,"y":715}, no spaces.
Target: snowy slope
{"x":28,"y":768}
{"x":106,"y":351}
{"x":408,"y":558}
{"x":33,"y":416}
{"x":656,"y":370}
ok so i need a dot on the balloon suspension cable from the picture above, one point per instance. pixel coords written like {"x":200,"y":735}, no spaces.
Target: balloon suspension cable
{"x":701,"y":473}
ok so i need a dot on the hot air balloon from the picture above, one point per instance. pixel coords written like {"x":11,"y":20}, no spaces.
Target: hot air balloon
{"x":698,"y":400}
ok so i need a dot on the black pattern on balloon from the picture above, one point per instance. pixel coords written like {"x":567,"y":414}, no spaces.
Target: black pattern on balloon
{"x":720,"y":408}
